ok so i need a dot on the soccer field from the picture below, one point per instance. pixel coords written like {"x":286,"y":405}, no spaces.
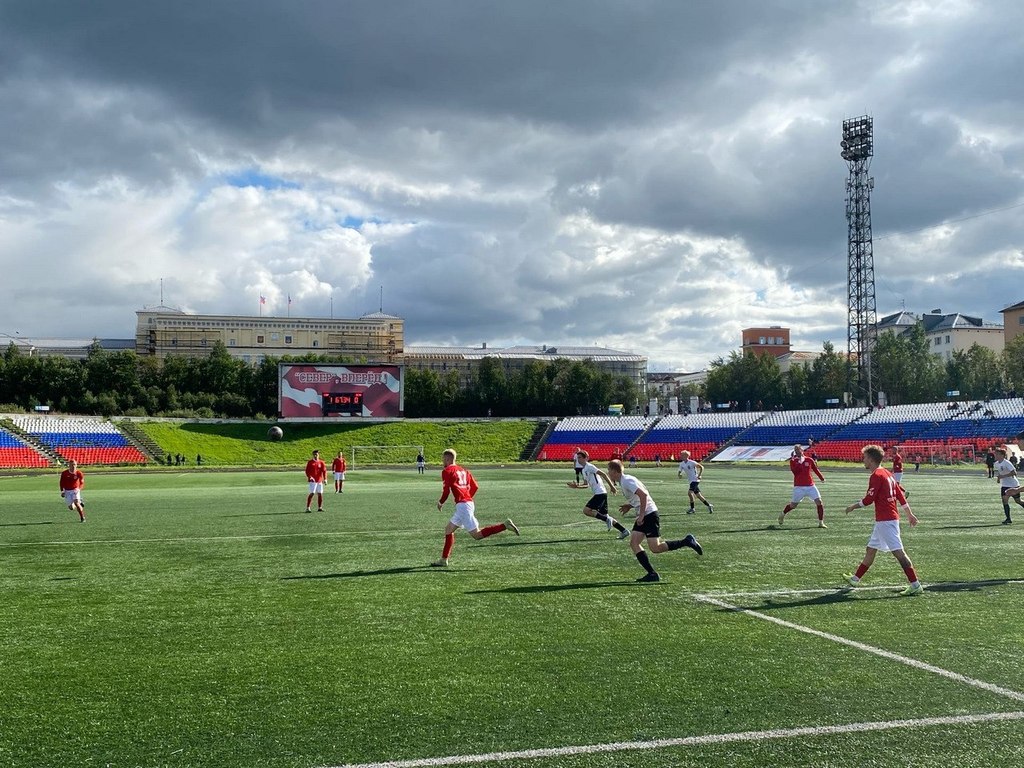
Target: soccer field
{"x":205,"y":620}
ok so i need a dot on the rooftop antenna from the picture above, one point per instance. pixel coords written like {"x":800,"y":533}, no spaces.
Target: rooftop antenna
{"x":382,"y":299}
{"x":161,"y":291}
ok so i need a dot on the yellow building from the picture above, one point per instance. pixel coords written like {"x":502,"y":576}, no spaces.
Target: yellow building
{"x":1013,"y":321}
{"x":165,"y":332}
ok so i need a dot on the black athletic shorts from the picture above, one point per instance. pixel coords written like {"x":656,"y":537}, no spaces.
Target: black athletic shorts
{"x":650,"y":526}
{"x":695,"y":486}
{"x":598,"y":503}
{"x":1013,"y":491}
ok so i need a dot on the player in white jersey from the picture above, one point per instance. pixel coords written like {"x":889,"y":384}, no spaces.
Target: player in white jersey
{"x":648,"y":524}
{"x":693,"y":470}
{"x":1009,"y":485}
{"x":595,"y":479}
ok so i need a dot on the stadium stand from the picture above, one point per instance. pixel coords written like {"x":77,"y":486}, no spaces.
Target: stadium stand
{"x":15,"y":453}
{"x":931,"y":432}
{"x":87,"y":441}
{"x":792,"y":427}
{"x":698,"y":433}
{"x":603,"y":437}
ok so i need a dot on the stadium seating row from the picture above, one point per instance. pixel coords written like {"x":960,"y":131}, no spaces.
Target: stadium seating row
{"x":18,"y":458}
{"x":87,"y":441}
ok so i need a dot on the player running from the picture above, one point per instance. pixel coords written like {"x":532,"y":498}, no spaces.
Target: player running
{"x":885,"y":493}
{"x":577,"y":465}
{"x":461,"y":484}
{"x":316,"y":474}
{"x":693,"y":470}
{"x":1009,"y":485}
{"x":338,"y":468}
{"x":803,"y":484}
{"x":595,"y":479}
{"x":648,"y":524}
{"x":71,"y":483}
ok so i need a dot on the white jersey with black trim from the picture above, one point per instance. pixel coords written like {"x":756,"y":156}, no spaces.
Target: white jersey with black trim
{"x":690,"y":468}
{"x":630,"y":485}
{"x":1005,"y":467}
{"x":593,"y":479}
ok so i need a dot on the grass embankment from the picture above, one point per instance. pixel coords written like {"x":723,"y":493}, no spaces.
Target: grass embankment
{"x":247,"y":444}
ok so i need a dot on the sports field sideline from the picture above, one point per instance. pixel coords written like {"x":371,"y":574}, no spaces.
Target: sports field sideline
{"x":205,"y":620}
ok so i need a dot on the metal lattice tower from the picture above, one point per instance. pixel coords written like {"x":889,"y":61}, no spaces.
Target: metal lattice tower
{"x":862,"y":315}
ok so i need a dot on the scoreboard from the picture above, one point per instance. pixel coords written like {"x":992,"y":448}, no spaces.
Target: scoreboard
{"x":342,"y":403}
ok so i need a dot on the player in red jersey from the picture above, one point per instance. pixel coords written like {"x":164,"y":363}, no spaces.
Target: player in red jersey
{"x":803,"y":484}
{"x":460,"y":483}
{"x":885,"y":493}
{"x":71,"y":483}
{"x":338,"y":467}
{"x":897,"y":469}
{"x":316,"y":474}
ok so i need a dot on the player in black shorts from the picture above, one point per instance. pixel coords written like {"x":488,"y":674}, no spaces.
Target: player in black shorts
{"x":648,"y":524}
{"x":595,"y":480}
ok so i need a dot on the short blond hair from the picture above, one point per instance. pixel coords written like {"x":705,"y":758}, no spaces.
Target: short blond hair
{"x":615,"y":464}
{"x":449,"y":453}
{"x":875,"y":452}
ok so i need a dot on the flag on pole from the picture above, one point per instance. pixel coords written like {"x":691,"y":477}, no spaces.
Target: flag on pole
{"x":263,"y":299}
{"x":289,"y":299}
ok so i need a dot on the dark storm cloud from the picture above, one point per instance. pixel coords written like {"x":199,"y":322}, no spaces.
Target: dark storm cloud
{"x":657,"y":172}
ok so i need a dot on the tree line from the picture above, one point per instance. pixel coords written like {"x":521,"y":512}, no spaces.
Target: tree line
{"x":122,"y":383}
{"x":540,"y":388}
{"x":903,"y":367}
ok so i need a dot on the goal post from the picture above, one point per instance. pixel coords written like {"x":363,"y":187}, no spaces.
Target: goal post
{"x":939,"y":454}
{"x":363,"y":455}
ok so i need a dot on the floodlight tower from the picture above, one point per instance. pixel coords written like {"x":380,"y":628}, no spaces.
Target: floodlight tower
{"x":858,"y":147}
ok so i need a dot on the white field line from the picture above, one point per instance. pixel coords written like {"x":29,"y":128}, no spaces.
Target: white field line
{"x":824,"y":591}
{"x":689,"y":741}
{"x":915,"y":663}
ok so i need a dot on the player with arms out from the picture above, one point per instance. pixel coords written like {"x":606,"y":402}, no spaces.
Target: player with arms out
{"x":71,"y":483}
{"x":594,"y":479}
{"x":885,"y":493}
{"x":460,"y":483}
{"x":338,"y":467}
{"x":803,"y":484}
{"x":648,"y":524}
{"x":1009,"y":485}
{"x":693,"y":470}
{"x":316,"y":474}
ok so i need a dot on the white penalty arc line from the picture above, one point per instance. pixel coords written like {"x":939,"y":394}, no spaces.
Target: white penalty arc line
{"x":689,"y":741}
{"x":915,"y":663}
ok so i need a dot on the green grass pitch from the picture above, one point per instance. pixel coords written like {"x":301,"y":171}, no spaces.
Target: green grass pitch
{"x":205,"y":620}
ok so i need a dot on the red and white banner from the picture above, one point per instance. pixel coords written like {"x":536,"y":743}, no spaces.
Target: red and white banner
{"x":331,"y":391}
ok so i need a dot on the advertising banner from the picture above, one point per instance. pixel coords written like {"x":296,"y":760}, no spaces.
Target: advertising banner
{"x":333,"y":391}
{"x":755,"y":453}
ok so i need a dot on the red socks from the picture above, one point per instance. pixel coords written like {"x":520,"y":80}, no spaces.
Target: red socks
{"x":861,"y":570}
{"x":788,"y":509}
{"x":490,"y":530}
{"x":449,"y":542}
{"x":911,"y":574}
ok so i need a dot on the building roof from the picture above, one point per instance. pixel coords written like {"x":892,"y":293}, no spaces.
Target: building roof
{"x":798,"y":356}
{"x":1018,"y":305}
{"x":379,"y":316}
{"x":897,"y":320}
{"x":522,"y":352}
{"x":957,"y":321}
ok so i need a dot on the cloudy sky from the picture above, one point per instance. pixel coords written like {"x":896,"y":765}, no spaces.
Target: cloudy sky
{"x":643,"y":174}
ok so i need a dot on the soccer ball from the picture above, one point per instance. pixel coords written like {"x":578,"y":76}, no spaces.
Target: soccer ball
{"x":275,"y":434}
